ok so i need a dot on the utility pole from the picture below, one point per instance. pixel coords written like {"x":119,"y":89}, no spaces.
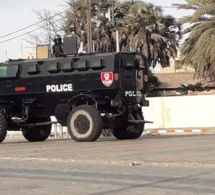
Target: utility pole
{"x":89,"y":26}
{"x":6,"y":56}
{"x":117,"y":32}
{"x":21,"y":51}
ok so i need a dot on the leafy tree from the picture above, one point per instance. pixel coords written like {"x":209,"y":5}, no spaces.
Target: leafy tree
{"x":153,"y":83}
{"x":198,"y":48}
{"x":149,"y":31}
{"x":49,"y":24}
{"x":141,"y":26}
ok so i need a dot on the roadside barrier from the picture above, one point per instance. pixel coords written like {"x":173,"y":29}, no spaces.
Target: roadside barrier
{"x":178,"y":131}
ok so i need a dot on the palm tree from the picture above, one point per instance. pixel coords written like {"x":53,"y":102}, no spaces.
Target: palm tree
{"x":77,"y":17}
{"x":148,"y":31}
{"x":198,"y":49}
{"x":141,"y":26}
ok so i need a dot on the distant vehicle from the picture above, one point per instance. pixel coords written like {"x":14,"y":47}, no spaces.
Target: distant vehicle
{"x":85,"y":92}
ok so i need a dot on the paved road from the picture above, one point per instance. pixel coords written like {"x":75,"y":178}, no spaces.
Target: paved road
{"x":168,"y":165}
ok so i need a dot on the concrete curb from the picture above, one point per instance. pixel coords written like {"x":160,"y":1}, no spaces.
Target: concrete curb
{"x":186,"y":131}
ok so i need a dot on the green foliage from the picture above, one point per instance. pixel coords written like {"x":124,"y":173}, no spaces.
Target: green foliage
{"x":191,"y":87}
{"x":152,"y":85}
{"x":141,"y":26}
{"x":198,"y":49}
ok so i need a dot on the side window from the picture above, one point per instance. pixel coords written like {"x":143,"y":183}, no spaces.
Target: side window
{"x":9,"y":71}
{"x":81,"y":65}
{"x":33,"y":68}
{"x":3,"y":71}
{"x":96,"y":64}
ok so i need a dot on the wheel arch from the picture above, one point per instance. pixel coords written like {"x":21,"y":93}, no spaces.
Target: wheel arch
{"x":83,"y":99}
{"x":62,"y":111}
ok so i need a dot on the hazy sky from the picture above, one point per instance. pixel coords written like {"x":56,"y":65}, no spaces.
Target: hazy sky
{"x":17,"y":14}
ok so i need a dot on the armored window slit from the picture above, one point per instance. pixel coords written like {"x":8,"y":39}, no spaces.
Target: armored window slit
{"x":128,"y":63}
{"x":53,"y":67}
{"x":67,"y":66}
{"x":81,"y":65}
{"x":33,"y":69}
{"x":97,"y":64}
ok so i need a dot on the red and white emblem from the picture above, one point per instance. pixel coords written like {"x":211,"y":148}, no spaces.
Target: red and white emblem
{"x":107,"y":78}
{"x":116,"y":76}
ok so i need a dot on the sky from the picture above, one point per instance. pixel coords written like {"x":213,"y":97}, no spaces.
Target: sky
{"x":17,"y":14}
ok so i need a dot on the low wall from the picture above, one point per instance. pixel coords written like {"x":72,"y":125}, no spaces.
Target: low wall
{"x":186,"y":113}
{"x":180,"y":112}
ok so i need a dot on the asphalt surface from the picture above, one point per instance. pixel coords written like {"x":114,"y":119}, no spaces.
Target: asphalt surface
{"x":149,"y":165}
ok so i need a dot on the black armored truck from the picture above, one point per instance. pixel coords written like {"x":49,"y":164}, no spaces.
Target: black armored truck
{"x":86,"y":92}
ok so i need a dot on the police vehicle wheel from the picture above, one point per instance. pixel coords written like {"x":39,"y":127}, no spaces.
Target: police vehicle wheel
{"x":38,"y":133}
{"x":3,"y":127}
{"x":133,"y":131}
{"x":85,"y":123}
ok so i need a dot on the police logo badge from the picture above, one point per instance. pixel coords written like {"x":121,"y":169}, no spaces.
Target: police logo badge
{"x":107,"y":78}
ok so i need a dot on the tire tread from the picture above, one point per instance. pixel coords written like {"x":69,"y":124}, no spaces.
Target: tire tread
{"x":34,"y":135}
{"x":98,"y":123}
{"x":3,"y":127}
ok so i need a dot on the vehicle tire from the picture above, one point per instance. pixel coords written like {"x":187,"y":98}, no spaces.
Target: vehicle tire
{"x":85,"y":123}
{"x":38,"y":133}
{"x":3,"y":127}
{"x":131,"y":131}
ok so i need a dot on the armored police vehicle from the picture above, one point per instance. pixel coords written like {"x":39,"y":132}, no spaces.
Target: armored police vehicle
{"x":86,"y":93}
